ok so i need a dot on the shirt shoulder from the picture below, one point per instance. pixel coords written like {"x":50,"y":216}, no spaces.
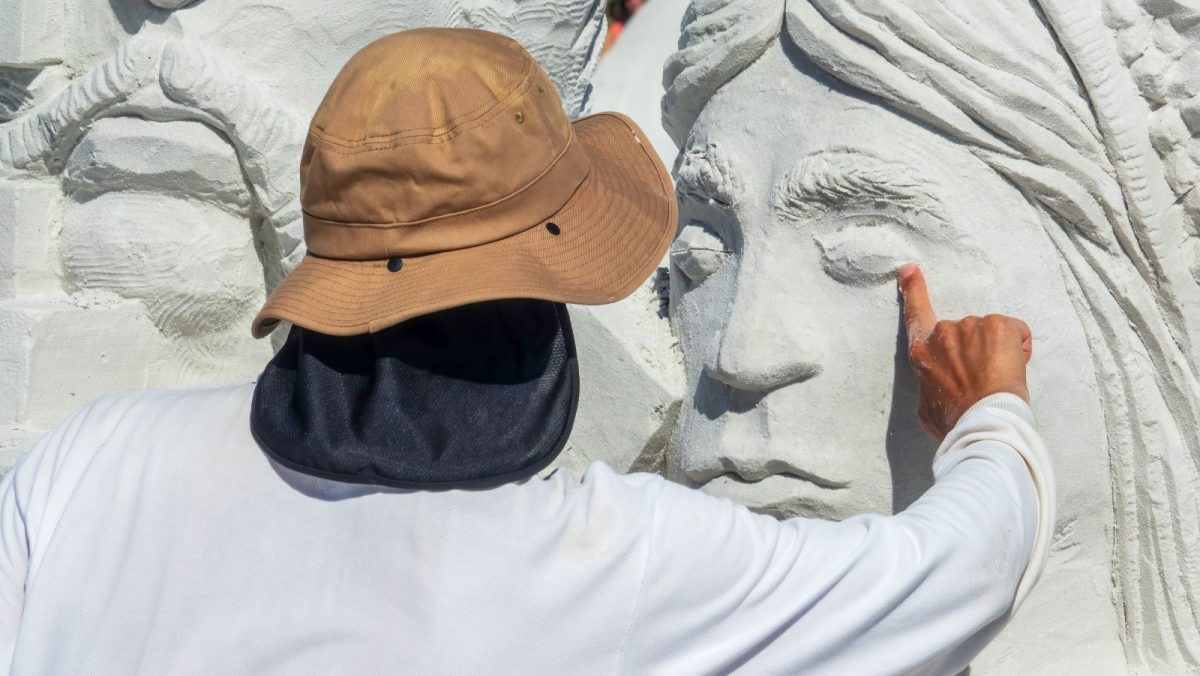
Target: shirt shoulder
{"x":597,"y":486}
{"x":129,"y":410}
{"x":682,"y":528}
{"x":599,"y":481}
{"x":97,"y":438}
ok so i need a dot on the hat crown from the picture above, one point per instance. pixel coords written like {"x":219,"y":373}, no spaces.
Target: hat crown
{"x":423,"y":125}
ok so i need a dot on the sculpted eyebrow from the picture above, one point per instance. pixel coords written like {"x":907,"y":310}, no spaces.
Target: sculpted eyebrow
{"x":705,"y":173}
{"x":832,"y":179}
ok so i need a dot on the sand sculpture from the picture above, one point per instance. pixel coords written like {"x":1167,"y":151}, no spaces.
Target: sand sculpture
{"x":1039,"y":159}
{"x":149,"y":153}
{"x":1047,"y":144}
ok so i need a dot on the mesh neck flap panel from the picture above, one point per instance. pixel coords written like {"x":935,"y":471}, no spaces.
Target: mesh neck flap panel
{"x":474,"y":395}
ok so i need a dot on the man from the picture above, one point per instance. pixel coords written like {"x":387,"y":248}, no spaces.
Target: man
{"x":370,"y":504}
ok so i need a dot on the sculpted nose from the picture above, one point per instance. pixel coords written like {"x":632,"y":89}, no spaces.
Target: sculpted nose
{"x":763,"y":346}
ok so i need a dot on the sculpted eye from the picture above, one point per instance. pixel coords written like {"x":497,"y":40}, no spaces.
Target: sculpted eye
{"x":863,"y":255}
{"x":698,"y":252}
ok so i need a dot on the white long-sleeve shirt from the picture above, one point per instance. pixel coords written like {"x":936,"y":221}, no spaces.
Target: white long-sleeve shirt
{"x":148,"y":534}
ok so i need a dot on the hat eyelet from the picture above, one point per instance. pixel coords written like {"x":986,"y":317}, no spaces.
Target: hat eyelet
{"x":520,"y":117}
{"x":553,"y":228}
{"x":395,"y":263}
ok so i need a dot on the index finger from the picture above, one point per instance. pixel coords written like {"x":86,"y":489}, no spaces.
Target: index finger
{"x":919,"y":317}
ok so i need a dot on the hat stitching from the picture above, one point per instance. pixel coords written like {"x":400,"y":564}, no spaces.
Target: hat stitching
{"x":668,"y":188}
{"x":452,"y":128}
{"x":553,"y":163}
{"x":265,"y":323}
{"x":488,"y":293}
{"x":624,"y":282}
{"x":530,"y":70}
{"x":332,"y":265}
{"x":479,"y":294}
{"x":378,"y":228}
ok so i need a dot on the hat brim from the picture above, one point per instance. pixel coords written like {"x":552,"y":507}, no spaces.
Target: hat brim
{"x":611,"y":234}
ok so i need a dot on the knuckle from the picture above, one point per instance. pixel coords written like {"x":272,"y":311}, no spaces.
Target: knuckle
{"x":996,"y":321}
{"x":999,"y":325}
{"x":917,"y":353}
{"x":943,"y":328}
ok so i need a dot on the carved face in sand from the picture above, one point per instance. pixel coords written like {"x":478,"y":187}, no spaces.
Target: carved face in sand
{"x":813,"y":165}
{"x":150,"y":200}
{"x":784,"y":292}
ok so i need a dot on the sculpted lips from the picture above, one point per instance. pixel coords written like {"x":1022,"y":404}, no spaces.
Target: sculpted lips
{"x":779,"y":469}
{"x":743,"y":455}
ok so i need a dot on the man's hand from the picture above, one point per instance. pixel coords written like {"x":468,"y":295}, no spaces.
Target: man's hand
{"x":959,"y":363}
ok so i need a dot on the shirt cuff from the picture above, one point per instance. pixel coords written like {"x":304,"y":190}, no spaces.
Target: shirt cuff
{"x":1006,"y":401}
{"x":1007,"y":419}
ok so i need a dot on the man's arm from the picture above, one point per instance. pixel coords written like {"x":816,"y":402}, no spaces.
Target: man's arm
{"x":918,"y":592}
{"x":32,"y":497}
{"x":973,"y":363}
{"x":14,"y":562}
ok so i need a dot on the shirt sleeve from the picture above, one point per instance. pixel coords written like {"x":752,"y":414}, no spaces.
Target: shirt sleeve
{"x":919,"y":592}
{"x":14,"y":561}
{"x":32,"y":496}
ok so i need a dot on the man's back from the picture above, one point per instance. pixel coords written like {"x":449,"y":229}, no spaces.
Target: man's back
{"x":125,"y":555}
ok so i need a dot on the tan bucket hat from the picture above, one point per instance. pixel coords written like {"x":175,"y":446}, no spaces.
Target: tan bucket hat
{"x":440,"y":170}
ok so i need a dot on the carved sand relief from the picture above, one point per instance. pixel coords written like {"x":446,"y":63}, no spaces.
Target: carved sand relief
{"x":173,"y":219}
{"x":1036,"y":159}
{"x":149,"y":156}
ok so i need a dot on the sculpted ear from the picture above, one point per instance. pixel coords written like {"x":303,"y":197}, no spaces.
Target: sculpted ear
{"x":564,"y":36}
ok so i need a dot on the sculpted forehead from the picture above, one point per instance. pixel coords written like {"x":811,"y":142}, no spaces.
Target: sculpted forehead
{"x":798,"y":104}
{"x":800,"y":113}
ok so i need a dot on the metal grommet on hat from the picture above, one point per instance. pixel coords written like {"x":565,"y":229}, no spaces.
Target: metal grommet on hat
{"x":436,"y":106}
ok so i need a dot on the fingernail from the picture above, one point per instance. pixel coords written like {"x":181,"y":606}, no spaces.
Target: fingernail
{"x":907,"y":271}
